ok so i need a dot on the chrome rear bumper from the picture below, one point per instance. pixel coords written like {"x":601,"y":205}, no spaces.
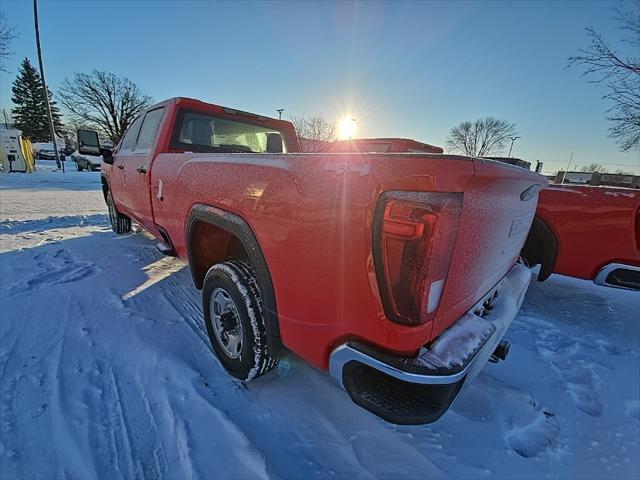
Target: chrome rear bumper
{"x":619,"y":275}
{"x":424,"y":387}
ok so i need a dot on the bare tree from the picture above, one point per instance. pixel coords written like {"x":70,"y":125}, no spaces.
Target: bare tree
{"x":620,"y":171}
{"x":74,"y":124}
{"x":7,"y":34}
{"x":104,"y":101}
{"x":483,"y":137}
{"x":314,"y":132}
{"x":603,"y":64}
{"x":594,"y":168}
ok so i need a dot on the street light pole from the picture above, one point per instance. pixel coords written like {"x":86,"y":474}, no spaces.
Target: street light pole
{"x":44,"y":87}
{"x":564,"y":175}
{"x":513,"y":139}
{"x":279,"y":110}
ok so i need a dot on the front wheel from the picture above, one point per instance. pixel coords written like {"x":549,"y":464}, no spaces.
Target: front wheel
{"x":120,"y":224}
{"x":235,"y":320}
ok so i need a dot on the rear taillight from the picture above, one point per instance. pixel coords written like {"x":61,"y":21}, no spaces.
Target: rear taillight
{"x":413,"y":239}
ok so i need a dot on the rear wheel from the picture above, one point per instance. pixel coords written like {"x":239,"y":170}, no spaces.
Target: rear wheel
{"x":235,"y":321}
{"x":120,"y":224}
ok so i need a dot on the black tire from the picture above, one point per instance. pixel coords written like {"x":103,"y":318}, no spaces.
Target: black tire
{"x":120,"y":224}
{"x":237,"y":280}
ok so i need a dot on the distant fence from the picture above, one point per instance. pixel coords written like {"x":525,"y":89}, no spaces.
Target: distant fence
{"x":608,"y":179}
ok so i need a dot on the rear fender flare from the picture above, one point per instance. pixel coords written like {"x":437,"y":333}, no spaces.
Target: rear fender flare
{"x":542,"y":232}
{"x":238,"y":227}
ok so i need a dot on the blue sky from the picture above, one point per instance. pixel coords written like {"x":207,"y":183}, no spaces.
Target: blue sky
{"x":409,"y":69}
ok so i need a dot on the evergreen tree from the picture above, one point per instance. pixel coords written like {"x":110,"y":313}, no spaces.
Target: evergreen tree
{"x":30,"y":111}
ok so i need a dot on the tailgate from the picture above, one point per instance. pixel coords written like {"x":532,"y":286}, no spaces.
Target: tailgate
{"x":499,"y":204}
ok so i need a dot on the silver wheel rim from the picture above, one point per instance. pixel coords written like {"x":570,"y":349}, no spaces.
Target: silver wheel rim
{"x":226,"y":323}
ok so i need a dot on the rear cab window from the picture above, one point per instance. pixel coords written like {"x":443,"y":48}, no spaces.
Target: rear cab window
{"x":203,"y":132}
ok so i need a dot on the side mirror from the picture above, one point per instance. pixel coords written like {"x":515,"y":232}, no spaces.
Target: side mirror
{"x":107,"y":155}
{"x":88,"y":142}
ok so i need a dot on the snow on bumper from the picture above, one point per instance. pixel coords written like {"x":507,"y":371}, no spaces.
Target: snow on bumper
{"x":420,"y":390}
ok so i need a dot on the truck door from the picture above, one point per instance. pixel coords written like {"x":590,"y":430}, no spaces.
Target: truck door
{"x":121,"y":156}
{"x":135,"y":168}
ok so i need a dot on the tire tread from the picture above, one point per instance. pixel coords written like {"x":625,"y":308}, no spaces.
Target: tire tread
{"x":245,"y":277}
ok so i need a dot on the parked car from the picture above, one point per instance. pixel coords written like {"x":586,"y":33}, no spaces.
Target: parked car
{"x":587,"y":232}
{"x":48,"y":154}
{"x":68,"y":149}
{"x":86,"y":162}
{"x":398,"y":273}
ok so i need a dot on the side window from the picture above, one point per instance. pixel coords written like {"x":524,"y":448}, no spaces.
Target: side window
{"x":149,"y":130}
{"x":129,"y":139}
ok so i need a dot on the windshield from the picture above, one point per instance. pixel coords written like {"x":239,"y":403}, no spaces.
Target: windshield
{"x":206,"y":133}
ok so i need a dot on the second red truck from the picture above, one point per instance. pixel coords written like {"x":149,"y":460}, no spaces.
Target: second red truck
{"x":396,"y":272}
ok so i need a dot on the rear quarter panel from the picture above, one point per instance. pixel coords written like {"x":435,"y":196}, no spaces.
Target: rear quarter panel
{"x":312,"y":216}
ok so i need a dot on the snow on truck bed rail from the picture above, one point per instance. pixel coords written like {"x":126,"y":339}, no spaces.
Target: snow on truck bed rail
{"x":106,"y":372}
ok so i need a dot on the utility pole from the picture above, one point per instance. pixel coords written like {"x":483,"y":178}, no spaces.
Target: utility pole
{"x":513,"y":139}
{"x":44,"y":87}
{"x":279,"y":110}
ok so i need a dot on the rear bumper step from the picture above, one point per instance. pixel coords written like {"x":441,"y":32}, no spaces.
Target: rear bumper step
{"x":419,"y":390}
{"x":619,"y":275}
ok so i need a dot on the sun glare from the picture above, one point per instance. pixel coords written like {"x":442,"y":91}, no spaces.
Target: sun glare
{"x":347,"y":128}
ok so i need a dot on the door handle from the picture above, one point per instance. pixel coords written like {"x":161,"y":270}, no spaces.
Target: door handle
{"x":141,"y":169}
{"x":121,"y":167}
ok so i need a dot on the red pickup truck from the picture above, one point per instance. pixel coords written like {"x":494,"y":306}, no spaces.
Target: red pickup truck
{"x":396,"y":272}
{"x":587,"y":232}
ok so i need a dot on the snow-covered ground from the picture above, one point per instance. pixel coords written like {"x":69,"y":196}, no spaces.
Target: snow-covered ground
{"x":106,"y":371}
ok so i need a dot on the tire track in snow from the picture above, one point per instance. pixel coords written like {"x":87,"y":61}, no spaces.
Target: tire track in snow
{"x":67,"y":442}
{"x":141,"y":439}
{"x":124,"y":435}
{"x":177,"y":290}
{"x":104,"y":427}
{"x":15,"y":459}
{"x":180,"y":298}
